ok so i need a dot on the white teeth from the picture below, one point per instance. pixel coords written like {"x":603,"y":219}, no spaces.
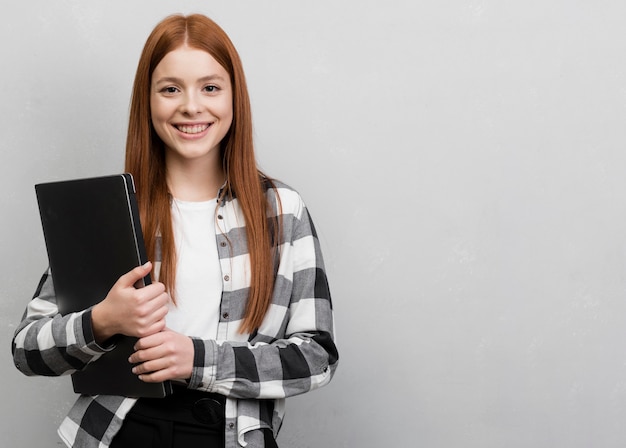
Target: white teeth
{"x":195,"y":129}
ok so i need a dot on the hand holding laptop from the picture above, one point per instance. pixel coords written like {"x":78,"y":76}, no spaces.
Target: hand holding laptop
{"x":131,"y":311}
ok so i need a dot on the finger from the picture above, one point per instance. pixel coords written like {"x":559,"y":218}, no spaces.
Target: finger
{"x":161,"y":298}
{"x":152,"y":298}
{"x":131,"y":277}
{"x":149,"y":312}
{"x":141,"y":357}
{"x":153,"y":308}
{"x":156,"y":291}
{"x":144,"y":330}
{"x":150,"y":366}
{"x":148,"y":342}
{"x":157,"y":370}
{"x":154,"y":346}
{"x":156,"y":377}
{"x":161,"y":339}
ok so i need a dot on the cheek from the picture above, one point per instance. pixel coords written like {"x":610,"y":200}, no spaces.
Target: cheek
{"x":156,"y":112}
{"x":158,"y":120}
{"x":226,"y":112}
{"x":225,"y":106}
{"x":228,"y":118}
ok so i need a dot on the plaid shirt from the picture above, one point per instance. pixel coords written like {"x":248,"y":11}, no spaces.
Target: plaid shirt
{"x":291,"y":353}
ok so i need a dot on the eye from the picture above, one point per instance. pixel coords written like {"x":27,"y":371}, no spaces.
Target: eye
{"x":169,"y":90}
{"x":211,"y":88}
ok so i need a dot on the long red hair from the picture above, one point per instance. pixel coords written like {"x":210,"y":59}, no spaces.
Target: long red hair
{"x":145,"y":160}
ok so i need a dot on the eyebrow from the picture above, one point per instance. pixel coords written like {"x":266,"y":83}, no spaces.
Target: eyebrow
{"x":180,"y":81}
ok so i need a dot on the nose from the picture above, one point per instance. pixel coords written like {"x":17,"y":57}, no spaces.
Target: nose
{"x":191,"y":104}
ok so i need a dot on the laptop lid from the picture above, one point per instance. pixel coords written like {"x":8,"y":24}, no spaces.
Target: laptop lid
{"x":93,"y":236}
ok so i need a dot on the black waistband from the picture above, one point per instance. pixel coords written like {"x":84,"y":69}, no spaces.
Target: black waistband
{"x":184,"y":406}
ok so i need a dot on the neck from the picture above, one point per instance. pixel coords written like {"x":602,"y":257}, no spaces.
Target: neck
{"x":194,"y":181}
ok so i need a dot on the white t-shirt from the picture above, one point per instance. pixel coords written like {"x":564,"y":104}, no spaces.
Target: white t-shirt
{"x":198,"y":273}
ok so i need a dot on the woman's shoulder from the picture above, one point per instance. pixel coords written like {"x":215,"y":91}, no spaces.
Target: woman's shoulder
{"x":289,"y":199}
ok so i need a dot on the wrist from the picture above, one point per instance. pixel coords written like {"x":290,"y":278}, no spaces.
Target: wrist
{"x":102,"y":330}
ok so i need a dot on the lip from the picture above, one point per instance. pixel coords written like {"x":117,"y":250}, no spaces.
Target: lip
{"x":192,"y":130}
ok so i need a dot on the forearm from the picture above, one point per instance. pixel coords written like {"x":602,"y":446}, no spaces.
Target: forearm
{"x":265,"y":371}
{"x":53,"y":346}
{"x":46,"y":343}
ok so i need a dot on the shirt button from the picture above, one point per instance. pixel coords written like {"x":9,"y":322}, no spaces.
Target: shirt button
{"x":226,"y":278}
{"x":225,"y":315}
{"x":223,"y":244}
{"x":220,"y":217}
{"x":231,"y":425}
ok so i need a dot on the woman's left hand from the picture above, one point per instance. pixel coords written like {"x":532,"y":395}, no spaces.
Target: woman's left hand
{"x":166,"y":355}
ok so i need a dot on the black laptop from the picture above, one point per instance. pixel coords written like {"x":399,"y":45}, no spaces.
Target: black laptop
{"x":93,"y":236}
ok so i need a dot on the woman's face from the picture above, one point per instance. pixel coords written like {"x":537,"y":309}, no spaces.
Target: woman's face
{"x":191,"y":104}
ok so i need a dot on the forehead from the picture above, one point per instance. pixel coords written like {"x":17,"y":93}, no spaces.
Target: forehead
{"x":188,"y":63}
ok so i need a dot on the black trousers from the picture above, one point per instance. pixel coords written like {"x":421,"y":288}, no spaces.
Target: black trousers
{"x":187,"y":418}
{"x":184,"y":419}
{"x":140,"y":431}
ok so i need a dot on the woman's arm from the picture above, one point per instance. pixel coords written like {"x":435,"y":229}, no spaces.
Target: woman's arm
{"x":46,"y":343}
{"x":301,"y":355}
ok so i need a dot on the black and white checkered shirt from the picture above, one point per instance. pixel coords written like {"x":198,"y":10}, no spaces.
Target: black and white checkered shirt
{"x":291,"y":353}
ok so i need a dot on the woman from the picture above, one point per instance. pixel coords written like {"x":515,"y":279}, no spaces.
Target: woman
{"x":241,"y":316}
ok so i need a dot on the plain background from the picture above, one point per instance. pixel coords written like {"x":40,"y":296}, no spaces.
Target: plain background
{"x":464,"y":163}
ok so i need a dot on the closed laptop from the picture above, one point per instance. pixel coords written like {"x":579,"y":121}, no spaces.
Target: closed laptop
{"x":93,"y":236}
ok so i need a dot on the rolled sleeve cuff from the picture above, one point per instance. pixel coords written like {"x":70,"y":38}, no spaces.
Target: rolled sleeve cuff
{"x":85,"y":335}
{"x":204,"y":365}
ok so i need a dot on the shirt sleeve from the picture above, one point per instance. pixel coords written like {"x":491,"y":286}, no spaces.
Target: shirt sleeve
{"x":47,"y":343}
{"x":302,"y":356}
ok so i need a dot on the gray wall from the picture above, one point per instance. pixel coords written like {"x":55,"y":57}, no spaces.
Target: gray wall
{"x":464,"y":161}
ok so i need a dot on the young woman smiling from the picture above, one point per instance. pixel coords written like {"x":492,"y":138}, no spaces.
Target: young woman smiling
{"x":240,"y":316}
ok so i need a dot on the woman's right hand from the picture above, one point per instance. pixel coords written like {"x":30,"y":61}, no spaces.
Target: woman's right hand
{"x":131,"y":311}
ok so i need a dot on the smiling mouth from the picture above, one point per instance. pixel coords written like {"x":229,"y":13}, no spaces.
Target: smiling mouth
{"x":192,"y":129}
